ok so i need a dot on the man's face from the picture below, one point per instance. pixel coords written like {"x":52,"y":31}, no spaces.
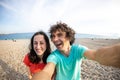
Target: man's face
{"x":60,"y":40}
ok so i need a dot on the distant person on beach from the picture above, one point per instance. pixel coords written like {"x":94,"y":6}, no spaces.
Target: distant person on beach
{"x":67,"y":58}
{"x":40,"y":49}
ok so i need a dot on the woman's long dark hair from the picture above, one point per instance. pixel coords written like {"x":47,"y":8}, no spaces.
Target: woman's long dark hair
{"x":33,"y":57}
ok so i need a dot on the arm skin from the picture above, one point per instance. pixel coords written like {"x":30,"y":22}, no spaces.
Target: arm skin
{"x":29,"y":73}
{"x":109,"y":56}
{"x":46,"y":73}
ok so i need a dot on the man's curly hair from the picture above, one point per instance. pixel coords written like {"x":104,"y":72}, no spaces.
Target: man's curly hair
{"x":59,"y":26}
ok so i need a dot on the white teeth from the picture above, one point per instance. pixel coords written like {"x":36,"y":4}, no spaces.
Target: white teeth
{"x":57,"y":43}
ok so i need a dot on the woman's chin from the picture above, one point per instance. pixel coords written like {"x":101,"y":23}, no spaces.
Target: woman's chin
{"x":39,"y":54}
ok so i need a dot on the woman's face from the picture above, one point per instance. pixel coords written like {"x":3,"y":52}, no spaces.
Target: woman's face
{"x":39,"y":44}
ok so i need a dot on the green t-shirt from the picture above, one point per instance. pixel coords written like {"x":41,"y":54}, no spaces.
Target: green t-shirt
{"x":68,"y":68}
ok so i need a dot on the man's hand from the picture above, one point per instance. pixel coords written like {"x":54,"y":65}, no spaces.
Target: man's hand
{"x":41,"y":76}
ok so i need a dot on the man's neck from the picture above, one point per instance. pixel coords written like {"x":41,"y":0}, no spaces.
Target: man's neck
{"x":66,"y":51}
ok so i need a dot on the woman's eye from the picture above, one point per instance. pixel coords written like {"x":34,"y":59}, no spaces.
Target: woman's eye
{"x":35,"y":43}
{"x":41,"y":43}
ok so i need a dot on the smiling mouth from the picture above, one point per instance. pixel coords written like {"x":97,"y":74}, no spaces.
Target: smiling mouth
{"x":38,"y":51}
{"x":58,"y":45}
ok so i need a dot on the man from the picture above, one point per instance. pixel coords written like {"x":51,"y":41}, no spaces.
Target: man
{"x":66,"y":59}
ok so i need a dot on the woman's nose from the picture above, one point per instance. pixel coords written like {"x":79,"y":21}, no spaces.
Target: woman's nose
{"x":38,"y":45}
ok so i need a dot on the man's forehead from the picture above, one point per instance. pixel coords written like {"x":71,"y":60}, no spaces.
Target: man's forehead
{"x":58,"y":31}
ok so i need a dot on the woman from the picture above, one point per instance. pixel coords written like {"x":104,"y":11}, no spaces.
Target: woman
{"x":35,"y":60}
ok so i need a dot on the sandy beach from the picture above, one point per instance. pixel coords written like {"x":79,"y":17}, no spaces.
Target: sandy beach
{"x":13,"y":52}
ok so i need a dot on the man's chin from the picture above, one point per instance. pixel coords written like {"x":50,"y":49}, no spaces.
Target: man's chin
{"x":59,"y":48}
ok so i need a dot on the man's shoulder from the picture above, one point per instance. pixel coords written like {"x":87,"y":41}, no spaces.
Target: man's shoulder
{"x":78,"y":46}
{"x":55,"y":51}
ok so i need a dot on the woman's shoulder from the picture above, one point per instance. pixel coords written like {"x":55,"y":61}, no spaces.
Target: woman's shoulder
{"x":27,"y":54}
{"x":26,"y":57}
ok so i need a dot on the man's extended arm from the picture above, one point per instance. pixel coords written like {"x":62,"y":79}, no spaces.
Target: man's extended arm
{"x":109,"y":56}
{"x":46,"y":73}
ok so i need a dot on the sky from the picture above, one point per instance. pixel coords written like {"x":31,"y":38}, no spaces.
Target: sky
{"x":84,"y":16}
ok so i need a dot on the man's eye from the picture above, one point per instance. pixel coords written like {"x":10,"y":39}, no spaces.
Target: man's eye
{"x":51,"y":36}
{"x":59,"y":35}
